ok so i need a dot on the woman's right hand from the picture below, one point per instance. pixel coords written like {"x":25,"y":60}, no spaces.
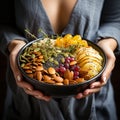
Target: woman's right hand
{"x":14,"y":48}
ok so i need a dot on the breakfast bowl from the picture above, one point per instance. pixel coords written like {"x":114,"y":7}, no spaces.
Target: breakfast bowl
{"x":61,"y":66}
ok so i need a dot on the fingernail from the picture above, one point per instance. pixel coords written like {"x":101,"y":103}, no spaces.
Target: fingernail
{"x":18,"y":78}
{"x":79,"y":96}
{"x":92,"y":86}
{"x":38,"y":96}
{"x":29,"y":89}
{"x":86,"y":92}
{"x":104,"y":79}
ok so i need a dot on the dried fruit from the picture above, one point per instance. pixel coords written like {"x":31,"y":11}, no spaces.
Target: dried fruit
{"x":61,"y":61}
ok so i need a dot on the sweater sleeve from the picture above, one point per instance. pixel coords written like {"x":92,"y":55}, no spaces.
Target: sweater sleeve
{"x":7,"y":34}
{"x":110,"y":21}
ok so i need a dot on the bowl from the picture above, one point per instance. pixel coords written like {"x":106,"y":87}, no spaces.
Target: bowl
{"x":59,"y":91}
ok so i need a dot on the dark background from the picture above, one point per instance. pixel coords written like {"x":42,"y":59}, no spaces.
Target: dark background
{"x":6,"y":11}
{"x":7,"y":18}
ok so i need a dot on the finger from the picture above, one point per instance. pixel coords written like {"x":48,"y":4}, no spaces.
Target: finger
{"x":87,"y":92}
{"x":98,"y":84}
{"x":106,"y":74}
{"x":37,"y":94}
{"x":13,"y":64}
{"x":109,"y":67}
{"x":25,"y":85}
{"x":33,"y":92}
{"x":46,"y":98}
{"x":91,"y":91}
{"x":110,"y":59}
{"x":81,"y":95}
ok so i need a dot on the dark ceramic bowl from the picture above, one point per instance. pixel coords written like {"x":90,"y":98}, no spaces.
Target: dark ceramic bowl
{"x":61,"y":90}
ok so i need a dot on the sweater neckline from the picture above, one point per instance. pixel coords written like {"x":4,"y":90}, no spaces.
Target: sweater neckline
{"x":48,"y":21}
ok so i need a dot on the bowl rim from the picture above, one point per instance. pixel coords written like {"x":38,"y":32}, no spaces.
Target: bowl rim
{"x":95,"y":46}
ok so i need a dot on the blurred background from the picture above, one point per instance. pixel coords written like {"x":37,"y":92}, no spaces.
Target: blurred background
{"x":6,"y":18}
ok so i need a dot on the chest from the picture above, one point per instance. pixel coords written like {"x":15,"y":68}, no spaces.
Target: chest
{"x":58,"y":12}
{"x":81,"y":17}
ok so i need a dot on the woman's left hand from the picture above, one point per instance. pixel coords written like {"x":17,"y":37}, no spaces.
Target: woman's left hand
{"x":108,"y":45}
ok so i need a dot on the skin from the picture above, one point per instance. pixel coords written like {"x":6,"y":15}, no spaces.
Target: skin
{"x":60,"y":7}
{"x":59,"y":14}
{"x":108,"y":45}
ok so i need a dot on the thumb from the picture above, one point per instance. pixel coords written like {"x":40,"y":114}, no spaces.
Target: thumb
{"x":104,"y":79}
{"x":13,"y":64}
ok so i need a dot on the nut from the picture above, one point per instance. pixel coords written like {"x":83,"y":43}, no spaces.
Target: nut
{"x":39,"y":68}
{"x":58,"y":79}
{"x":39,"y":76}
{"x":51,"y":70}
{"x":66,"y":82}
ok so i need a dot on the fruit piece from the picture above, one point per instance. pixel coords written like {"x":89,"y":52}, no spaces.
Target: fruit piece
{"x":51,"y":70}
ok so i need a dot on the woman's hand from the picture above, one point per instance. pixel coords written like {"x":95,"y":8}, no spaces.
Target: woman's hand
{"x":14,"y":48}
{"x":108,"y":46}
